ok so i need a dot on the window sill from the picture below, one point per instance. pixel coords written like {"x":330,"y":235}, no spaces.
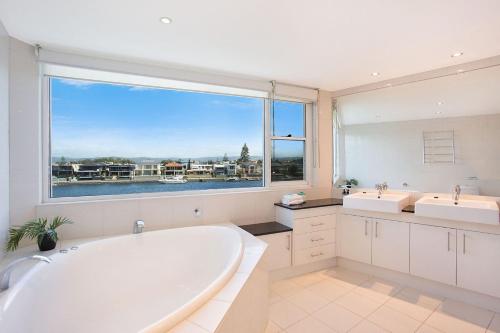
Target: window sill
{"x":278,"y":186}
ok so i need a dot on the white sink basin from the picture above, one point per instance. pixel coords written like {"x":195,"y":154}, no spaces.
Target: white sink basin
{"x":387,"y":202}
{"x":467,"y":210}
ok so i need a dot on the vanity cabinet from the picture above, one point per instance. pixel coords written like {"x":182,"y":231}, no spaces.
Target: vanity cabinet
{"x":279,"y":250}
{"x":478,"y":264}
{"x":382,"y":243}
{"x":313,"y":232}
{"x":433,"y":253}
{"x":354,"y":236}
{"x":391,"y":245}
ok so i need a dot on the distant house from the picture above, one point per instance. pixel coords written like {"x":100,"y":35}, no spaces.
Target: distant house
{"x":147,"y":169}
{"x":63,"y":171}
{"x":121,"y":170}
{"x":200,"y":169}
{"x":173,"y":168}
{"x":90,"y":171}
{"x":224,"y":169}
{"x":251,"y":168}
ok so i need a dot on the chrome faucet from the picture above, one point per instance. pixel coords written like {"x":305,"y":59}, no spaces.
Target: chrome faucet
{"x":138,"y":226}
{"x":456,"y":193}
{"x":381,"y":188}
{"x":5,"y":273}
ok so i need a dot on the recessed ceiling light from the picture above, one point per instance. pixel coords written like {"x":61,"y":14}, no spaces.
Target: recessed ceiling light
{"x":166,"y":20}
{"x":439,"y":103}
{"x":457,"y":54}
{"x":460,"y":70}
{"x":375,"y":74}
{"x":388,"y":84}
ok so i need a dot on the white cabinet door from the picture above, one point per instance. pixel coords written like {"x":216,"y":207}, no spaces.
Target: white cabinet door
{"x":355,"y":238}
{"x":478,"y":264}
{"x":279,"y":250}
{"x":391,"y":245}
{"x":433,"y":253}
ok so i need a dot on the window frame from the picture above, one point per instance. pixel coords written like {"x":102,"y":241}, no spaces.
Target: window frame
{"x":268,"y":185}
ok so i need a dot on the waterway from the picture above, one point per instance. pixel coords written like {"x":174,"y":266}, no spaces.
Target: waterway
{"x":80,"y":190}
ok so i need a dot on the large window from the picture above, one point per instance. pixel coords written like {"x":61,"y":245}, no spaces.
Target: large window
{"x":288,"y":140}
{"x":119,"y":137}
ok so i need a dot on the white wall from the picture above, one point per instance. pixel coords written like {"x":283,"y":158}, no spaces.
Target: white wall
{"x":393,"y":152}
{"x":108,"y":217}
{"x":4,"y":136}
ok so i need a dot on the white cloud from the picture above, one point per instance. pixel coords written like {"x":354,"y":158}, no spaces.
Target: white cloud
{"x":77,"y":83}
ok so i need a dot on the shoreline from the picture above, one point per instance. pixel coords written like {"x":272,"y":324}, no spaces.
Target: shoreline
{"x":142,"y":181}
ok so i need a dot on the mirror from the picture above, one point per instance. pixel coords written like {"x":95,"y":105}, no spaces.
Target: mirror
{"x":425,"y":136}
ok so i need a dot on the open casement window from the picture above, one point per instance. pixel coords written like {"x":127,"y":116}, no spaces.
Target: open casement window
{"x":289,"y":143}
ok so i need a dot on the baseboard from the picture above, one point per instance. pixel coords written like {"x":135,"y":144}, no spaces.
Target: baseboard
{"x":292,"y":271}
{"x":431,"y":287}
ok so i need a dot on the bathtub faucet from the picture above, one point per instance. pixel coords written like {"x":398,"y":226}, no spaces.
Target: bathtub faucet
{"x":138,"y":226}
{"x":5,"y":273}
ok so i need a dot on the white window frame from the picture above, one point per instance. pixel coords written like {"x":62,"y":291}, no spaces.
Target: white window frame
{"x":46,"y":163}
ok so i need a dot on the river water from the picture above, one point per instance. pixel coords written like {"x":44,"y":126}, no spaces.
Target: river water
{"x":80,"y":190}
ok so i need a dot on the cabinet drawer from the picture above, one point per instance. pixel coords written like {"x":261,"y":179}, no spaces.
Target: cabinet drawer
{"x":311,"y":224}
{"x":314,"y":254}
{"x":313,"y":239}
{"x":311,"y":212}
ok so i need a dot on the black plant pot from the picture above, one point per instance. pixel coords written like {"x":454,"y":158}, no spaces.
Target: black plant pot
{"x":46,"y":243}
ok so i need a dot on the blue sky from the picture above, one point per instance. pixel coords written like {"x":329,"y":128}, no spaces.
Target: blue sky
{"x":98,"y":119}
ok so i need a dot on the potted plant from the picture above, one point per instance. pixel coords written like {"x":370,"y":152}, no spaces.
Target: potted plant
{"x":351,"y":182}
{"x":45,"y":234}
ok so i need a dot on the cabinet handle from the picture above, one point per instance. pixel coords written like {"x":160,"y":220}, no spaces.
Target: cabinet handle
{"x":464,"y":242}
{"x":448,"y":241}
{"x":289,"y":243}
{"x":316,"y":239}
{"x":316,"y":255}
{"x":366,"y":227}
{"x":316,"y":225}
{"x":376,"y":229}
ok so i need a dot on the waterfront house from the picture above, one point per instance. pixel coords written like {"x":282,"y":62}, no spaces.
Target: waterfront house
{"x":90,"y":171}
{"x":200,"y":169}
{"x":173,"y":169}
{"x":63,"y":170}
{"x":121,"y":170}
{"x":147,"y":169}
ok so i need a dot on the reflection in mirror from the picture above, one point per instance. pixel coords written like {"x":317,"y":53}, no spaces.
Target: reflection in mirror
{"x":392,"y":134}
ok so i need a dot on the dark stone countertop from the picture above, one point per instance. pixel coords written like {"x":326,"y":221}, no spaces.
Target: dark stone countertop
{"x":313,"y":204}
{"x":409,"y":209}
{"x":267,"y":228}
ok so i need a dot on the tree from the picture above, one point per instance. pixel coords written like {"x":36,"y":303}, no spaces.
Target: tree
{"x":62,"y":160}
{"x":244,"y":155}
{"x":188,"y":164}
{"x":225,"y":158}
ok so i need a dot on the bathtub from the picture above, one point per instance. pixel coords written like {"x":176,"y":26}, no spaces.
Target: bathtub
{"x":136,"y":283}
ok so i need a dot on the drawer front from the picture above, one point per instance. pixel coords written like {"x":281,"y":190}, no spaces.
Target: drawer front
{"x":312,"y":224}
{"x":311,"y":212}
{"x":313,"y":254}
{"x":313,"y":239}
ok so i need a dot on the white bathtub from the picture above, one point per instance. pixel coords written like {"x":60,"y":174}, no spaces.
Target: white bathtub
{"x":146,"y":282}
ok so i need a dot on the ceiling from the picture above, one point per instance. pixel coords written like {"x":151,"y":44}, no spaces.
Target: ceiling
{"x":471,"y":93}
{"x":328,"y":44}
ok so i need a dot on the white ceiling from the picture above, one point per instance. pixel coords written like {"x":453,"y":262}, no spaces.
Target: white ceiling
{"x":329,"y":44}
{"x":468,"y":94}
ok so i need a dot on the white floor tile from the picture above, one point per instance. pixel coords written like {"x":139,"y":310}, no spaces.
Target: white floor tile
{"x":427,"y":329}
{"x":414,"y":303}
{"x":285,"y":313}
{"x":308,"y":279}
{"x":309,"y":325}
{"x":308,"y":300}
{"x":329,"y":290}
{"x":346,"y":278}
{"x":358,"y":304}
{"x":393,"y":320}
{"x":378,"y":289}
{"x":274,"y":297}
{"x":285,"y":288}
{"x":494,"y":325}
{"x":338,"y":318}
{"x":272,"y":328}
{"x":452,"y":316}
{"x":367,"y":327}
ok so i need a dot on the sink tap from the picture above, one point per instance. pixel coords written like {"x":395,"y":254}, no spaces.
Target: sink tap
{"x":381,"y":188}
{"x":138,"y":226}
{"x":456,"y":193}
{"x":5,"y":273}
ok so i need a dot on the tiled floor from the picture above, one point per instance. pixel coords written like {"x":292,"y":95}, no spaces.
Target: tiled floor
{"x":338,"y":300}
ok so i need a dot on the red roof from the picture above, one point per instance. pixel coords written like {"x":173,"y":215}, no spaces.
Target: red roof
{"x":173,"y":164}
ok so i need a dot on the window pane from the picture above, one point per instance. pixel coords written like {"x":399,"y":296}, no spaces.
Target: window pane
{"x":288,"y":119}
{"x":109,"y":139}
{"x":287,"y":161}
